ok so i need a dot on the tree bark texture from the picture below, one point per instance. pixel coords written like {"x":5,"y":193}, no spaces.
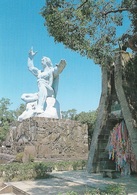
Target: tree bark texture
{"x":126,"y":111}
{"x":101,"y":117}
{"x":117,"y":85}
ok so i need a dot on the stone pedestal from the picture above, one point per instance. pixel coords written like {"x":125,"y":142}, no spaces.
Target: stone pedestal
{"x":49,"y":138}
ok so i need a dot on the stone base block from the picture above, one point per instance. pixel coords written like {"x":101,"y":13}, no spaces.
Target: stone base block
{"x":49,"y":138}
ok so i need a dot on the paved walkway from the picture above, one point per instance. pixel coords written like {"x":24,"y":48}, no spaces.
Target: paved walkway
{"x":77,"y":181}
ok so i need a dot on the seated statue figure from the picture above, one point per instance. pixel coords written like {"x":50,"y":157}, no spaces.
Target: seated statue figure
{"x":47,"y":80}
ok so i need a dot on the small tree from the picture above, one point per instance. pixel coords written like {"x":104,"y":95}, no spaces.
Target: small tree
{"x":19,"y":110}
{"x":6,"y":117}
{"x":70,"y":114}
{"x":88,"y":118}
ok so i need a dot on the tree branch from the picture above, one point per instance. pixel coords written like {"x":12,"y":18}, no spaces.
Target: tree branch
{"x":119,"y":10}
{"x":82,"y":4}
{"x":115,"y":11}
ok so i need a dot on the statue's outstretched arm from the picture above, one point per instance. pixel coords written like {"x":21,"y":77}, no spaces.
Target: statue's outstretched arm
{"x":31,"y":66}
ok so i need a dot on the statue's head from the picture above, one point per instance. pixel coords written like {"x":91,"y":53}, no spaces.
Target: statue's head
{"x":45,"y":61}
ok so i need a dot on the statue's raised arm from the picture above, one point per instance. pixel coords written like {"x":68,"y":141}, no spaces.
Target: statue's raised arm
{"x":31,"y":66}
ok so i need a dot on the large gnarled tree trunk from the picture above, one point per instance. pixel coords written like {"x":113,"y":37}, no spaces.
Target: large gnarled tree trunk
{"x":101,"y":117}
{"x":121,"y":63}
{"x":116,"y":84}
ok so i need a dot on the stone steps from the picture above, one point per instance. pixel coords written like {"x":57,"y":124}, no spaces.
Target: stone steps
{"x":103,"y":156}
{"x":11,"y":190}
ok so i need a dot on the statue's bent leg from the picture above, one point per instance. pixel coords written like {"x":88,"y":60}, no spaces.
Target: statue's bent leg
{"x":29,"y":112}
{"x":44,"y":92}
{"x":29,"y":97}
{"x":42,"y":96}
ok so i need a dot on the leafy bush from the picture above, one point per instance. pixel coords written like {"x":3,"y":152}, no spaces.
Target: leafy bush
{"x":23,"y":171}
{"x":110,"y":190}
{"x":6,"y":117}
{"x":33,"y":170}
{"x":116,"y":189}
{"x":78,"y":165}
{"x":19,"y":157}
{"x":41,"y":170}
{"x":69,"y":165}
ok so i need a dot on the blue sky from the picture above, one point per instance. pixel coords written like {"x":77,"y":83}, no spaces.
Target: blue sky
{"x":21,"y":26}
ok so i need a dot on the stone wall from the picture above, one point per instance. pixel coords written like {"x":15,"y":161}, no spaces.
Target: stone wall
{"x":48,"y":138}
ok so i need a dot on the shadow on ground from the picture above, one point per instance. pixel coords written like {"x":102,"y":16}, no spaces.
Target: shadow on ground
{"x":76,"y":181}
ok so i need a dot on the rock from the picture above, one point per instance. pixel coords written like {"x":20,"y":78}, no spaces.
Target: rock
{"x":49,"y":138}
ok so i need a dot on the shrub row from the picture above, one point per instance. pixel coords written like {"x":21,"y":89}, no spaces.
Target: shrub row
{"x":34,"y":170}
{"x":112,"y":189}
{"x":23,"y":171}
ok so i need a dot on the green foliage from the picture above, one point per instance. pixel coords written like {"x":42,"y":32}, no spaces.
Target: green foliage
{"x":19,"y":110}
{"x":31,"y":170}
{"x":84,"y":117}
{"x":23,"y":171}
{"x":6,"y":117}
{"x":88,"y":118}
{"x":116,"y":189}
{"x":89,"y":27}
{"x":69,"y":165}
{"x":71,"y":193}
{"x":34,"y":170}
{"x":110,"y":190}
{"x":79,"y":165}
{"x":19,"y":157}
{"x":41,"y":170}
{"x":70,"y":114}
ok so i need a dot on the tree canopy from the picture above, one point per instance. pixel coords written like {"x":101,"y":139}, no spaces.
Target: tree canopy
{"x":7,"y":116}
{"x":69,"y":114}
{"x":88,"y":118}
{"x":90,"y":27}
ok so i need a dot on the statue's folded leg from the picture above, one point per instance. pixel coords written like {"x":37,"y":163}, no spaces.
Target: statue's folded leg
{"x":29,"y":112}
{"x":31,"y":100}
{"x":29,"y":97}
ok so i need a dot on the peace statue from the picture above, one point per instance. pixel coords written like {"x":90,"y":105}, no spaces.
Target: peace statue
{"x":43,"y":103}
